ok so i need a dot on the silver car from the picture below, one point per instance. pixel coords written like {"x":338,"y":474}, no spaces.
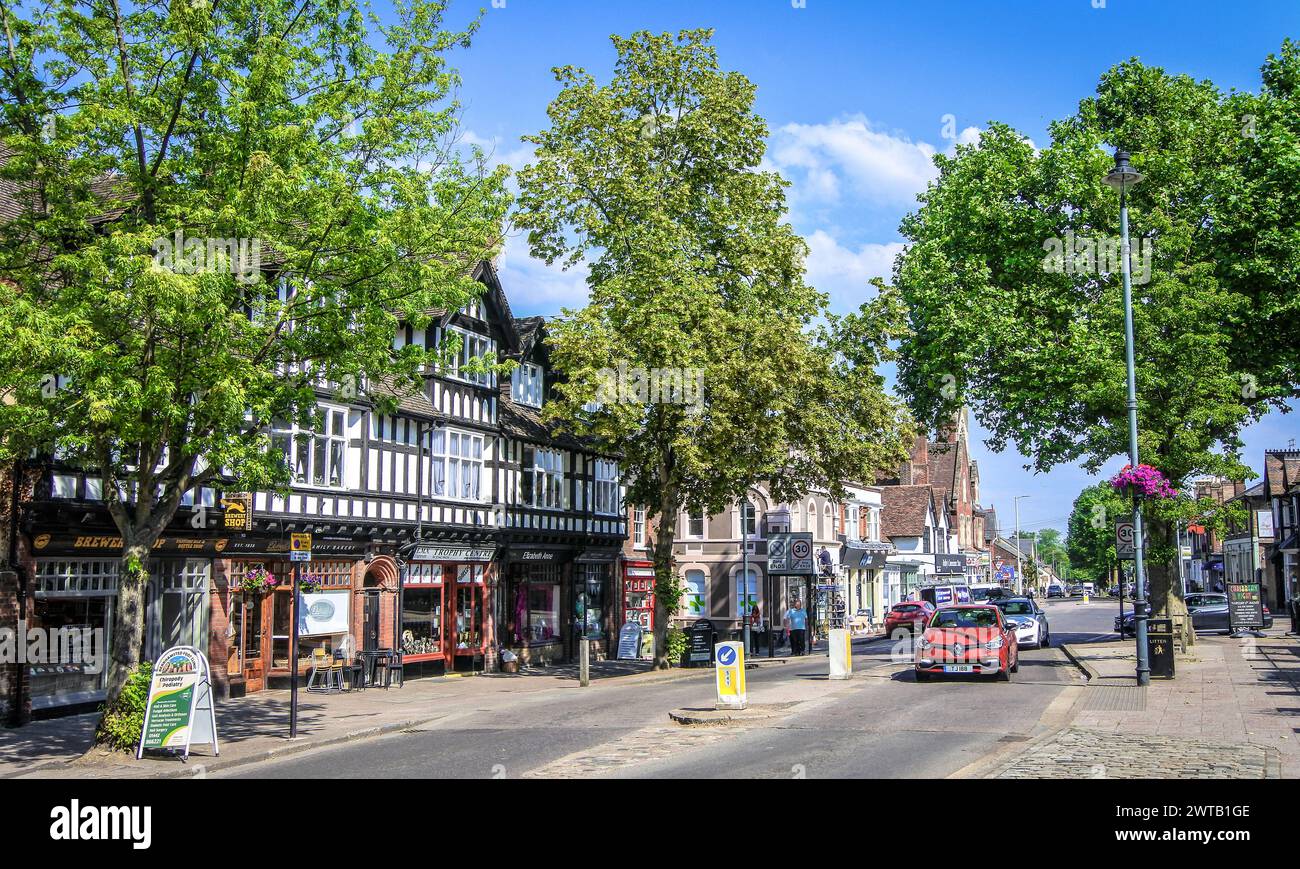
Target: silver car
{"x":1029,"y":620}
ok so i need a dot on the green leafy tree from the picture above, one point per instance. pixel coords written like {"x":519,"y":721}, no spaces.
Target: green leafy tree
{"x":654,"y":178}
{"x":1091,"y":530}
{"x":222,"y":207}
{"x":1012,"y":314}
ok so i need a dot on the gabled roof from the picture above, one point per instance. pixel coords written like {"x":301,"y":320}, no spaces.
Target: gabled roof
{"x":905,"y":509}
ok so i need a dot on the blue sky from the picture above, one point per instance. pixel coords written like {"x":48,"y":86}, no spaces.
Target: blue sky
{"x":856,"y":94}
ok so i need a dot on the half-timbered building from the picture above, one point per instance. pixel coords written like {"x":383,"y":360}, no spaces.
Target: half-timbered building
{"x":453,"y":526}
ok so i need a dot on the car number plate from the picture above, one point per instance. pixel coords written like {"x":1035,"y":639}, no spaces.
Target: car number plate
{"x":958,"y":668}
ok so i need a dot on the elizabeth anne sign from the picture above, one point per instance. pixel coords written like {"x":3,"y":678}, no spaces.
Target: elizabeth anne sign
{"x":179,"y":710}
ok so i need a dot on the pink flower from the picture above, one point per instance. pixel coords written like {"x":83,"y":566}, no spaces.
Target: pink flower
{"x":1145,"y":481}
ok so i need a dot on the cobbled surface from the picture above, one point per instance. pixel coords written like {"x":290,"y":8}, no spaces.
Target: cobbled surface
{"x":1079,"y":753}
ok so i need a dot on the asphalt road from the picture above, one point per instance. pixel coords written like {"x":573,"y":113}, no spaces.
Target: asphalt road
{"x":882,"y":723}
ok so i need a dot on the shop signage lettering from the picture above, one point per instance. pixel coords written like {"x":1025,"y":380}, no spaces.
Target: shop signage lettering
{"x":180,"y":710}
{"x":537,"y":556}
{"x":239,"y":511}
{"x":453,"y":553}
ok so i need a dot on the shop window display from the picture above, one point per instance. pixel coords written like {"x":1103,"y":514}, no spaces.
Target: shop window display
{"x":422,"y":621}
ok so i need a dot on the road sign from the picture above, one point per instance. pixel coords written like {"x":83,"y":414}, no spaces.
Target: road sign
{"x":300,"y":547}
{"x":1125,"y":534}
{"x":791,"y":554}
{"x":729,"y":674}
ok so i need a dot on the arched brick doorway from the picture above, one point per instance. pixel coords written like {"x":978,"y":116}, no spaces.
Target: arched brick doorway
{"x":379,"y":605}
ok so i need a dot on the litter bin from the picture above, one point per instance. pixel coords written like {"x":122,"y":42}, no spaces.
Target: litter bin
{"x":1160,"y":648}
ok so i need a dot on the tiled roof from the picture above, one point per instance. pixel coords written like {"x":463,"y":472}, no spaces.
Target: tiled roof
{"x":905,"y":509}
{"x":416,"y":403}
{"x":522,"y":422}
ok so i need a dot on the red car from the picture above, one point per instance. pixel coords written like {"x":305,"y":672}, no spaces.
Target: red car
{"x":968,"y":638}
{"x":911,"y":615}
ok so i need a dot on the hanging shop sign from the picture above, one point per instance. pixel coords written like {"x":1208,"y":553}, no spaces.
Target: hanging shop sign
{"x":238,"y":509}
{"x":180,"y":710}
{"x":454,"y":553}
{"x":300,"y":546}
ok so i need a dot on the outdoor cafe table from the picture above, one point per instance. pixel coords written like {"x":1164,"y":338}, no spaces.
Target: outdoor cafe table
{"x":373,"y":661}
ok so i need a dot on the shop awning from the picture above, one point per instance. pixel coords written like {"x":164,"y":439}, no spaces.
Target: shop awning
{"x":862,"y":558}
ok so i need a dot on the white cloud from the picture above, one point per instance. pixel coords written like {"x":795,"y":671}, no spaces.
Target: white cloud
{"x":533,"y":287}
{"x":516,"y":157}
{"x":843,"y":273}
{"x":825,"y":161}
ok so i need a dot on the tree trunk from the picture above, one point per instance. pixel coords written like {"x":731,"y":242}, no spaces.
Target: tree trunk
{"x":128,"y":621}
{"x":1165,"y":592}
{"x":667,"y":586}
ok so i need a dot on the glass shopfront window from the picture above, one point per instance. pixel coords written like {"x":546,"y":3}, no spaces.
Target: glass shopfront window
{"x":76,"y":594}
{"x":591,"y":584}
{"x":178,"y":606}
{"x":422,"y":610}
{"x":535,"y":604}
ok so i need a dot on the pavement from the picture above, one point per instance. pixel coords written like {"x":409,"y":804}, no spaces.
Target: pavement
{"x":1072,"y":711}
{"x":255,"y":728}
{"x":1233,"y":711}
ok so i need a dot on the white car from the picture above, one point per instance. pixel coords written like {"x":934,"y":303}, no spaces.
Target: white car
{"x":1028,"y":619}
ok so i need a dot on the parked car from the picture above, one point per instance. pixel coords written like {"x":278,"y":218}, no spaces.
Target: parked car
{"x":911,"y":615}
{"x":1076,"y":590}
{"x":1209,"y":611}
{"x":1056,"y":590}
{"x":1029,"y":620}
{"x":968,"y":639}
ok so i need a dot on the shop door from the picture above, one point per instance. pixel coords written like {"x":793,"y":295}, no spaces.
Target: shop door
{"x":370,"y":622}
{"x":245,"y":656}
{"x":465,"y":629}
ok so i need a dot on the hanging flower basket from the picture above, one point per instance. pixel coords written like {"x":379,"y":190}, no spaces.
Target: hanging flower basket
{"x":1143,"y":481}
{"x":311,"y":583}
{"x":258,"y":580}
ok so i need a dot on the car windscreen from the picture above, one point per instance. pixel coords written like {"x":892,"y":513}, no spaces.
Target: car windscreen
{"x":1016,"y":607}
{"x":978,"y":594}
{"x":906,"y":608}
{"x":965,"y":618}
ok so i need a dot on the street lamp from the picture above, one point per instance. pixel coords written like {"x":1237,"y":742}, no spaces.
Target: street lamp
{"x":1121,"y":178}
{"x":1020,"y":578}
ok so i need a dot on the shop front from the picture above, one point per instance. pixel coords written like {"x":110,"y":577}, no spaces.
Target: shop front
{"x":593,"y":601}
{"x":445,"y":609}
{"x":75,"y":592}
{"x":862,"y":565}
{"x":532,"y":604}
{"x":259,"y":607}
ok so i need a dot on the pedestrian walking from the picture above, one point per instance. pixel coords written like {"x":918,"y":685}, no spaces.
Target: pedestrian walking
{"x":796,"y":622}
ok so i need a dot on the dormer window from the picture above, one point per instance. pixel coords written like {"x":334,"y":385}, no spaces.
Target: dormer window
{"x":472,"y":346}
{"x":526,"y":385}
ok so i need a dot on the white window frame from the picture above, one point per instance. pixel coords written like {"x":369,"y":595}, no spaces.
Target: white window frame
{"x":606,"y":501}
{"x":329,"y":446}
{"x":702,"y":596}
{"x":738,"y":587}
{"x":527,"y":384}
{"x":546,"y":475}
{"x":456,"y":460}
{"x":638,"y":527}
{"x":472,"y":346}
{"x":691,"y":517}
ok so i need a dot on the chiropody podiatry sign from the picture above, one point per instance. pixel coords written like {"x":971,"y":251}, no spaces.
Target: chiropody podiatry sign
{"x":180,"y":688}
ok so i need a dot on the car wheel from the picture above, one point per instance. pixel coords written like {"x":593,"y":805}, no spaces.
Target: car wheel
{"x":1002,"y":676}
{"x":1015,"y":668}
{"x":1047,"y":640}
{"x":922,"y":676}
